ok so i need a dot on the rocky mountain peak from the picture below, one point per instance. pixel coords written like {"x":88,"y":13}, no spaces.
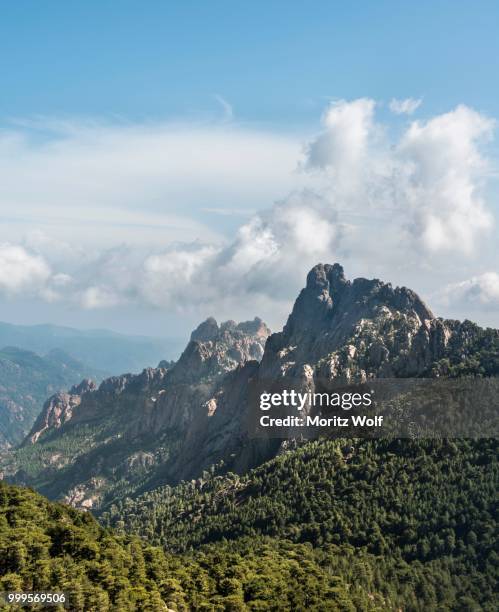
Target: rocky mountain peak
{"x":215,"y":349}
{"x":85,"y":386}
{"x":206,"y":331}
{"x":210,"y":331}
{"x":329,"y":298}
{"x":332,"y":312}
{"x":330,"y":276}
{"x":56,"y":411}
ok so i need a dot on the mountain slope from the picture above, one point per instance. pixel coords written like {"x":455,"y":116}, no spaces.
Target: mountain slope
{"x":427,"y":506}
{"x":26,"y":380}
{"x":50,"y":547}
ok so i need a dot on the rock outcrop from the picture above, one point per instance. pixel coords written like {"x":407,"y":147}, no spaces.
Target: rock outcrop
{"x":59,"y":409}
{"x":214,"y":350}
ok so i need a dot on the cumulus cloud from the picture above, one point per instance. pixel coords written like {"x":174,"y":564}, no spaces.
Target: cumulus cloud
{"x":342,"y":147}
{"x":267,"y":259}
{"x":441,"y":172}
{"x":481,"y":290}
{"x":431,"y":178}
{"x":265,"y":263}
{"x":21,"y":271}
{"x":428,"y":186}
{"x":279,"y":245}
{"x":98,"y":297}
{"x":407,"y":106}
{"x":176,"y":276}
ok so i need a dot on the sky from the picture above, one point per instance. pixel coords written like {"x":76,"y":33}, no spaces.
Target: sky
{"x":162,"y":162}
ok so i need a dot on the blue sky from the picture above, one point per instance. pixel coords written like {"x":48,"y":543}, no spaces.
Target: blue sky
{"x":275,"y":62}
{"x":161,"y":162}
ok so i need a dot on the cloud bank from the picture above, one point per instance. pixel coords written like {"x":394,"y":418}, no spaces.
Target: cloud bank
{"x":428,"y":185}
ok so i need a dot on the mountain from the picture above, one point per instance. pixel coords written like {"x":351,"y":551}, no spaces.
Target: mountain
{"x":262,"y":524}
{"x":26,"y":379}
{"x":91,"y":445}
{"x":134,"y":433}
{"x":102,"y":350}
{"x":167,"y":425}
{"x":50,"y":547}
{"x":354,"y":330}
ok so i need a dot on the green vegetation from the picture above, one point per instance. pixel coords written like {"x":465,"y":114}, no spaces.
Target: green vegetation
{"x":329,"y":525}
{"x":46,"y":546}
{"x":424,"y":510}
{"x":63,"y":459}
{"x":478,"y":357}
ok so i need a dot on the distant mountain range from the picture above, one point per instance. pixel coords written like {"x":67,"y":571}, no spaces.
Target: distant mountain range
{"x":101,"y":350}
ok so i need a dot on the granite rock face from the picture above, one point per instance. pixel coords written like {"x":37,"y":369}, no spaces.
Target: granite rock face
{"x":360,"y":329}
{"x":58,"y":409}
{"x":214,"y":350}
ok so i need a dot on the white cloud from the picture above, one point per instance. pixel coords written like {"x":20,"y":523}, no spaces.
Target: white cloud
{"x":441,"y":174}
{"x":264,"y":263}
{"x":176,"y":276}
{"x":427,"y":186}
{"x":343,"y":144}
{"x":267,"y":259}
{"x":21,"y":271}
{"x":431,"y":178}
{"x":406,"y":106}
{"x":99,"y":297}
{"x":143,"y":184}
{"x":482,"y":290}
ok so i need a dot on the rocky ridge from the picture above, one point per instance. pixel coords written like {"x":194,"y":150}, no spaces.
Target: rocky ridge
{"x":360,"y":329}
{"x":166,"y":425}
{"x":58,"y":409}
{"x":128,"y":429}
{"x":212,"y":352}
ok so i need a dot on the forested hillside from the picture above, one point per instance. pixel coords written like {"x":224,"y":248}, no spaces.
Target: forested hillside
{"x":46,"y":546}
{"x":426,"y":508}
